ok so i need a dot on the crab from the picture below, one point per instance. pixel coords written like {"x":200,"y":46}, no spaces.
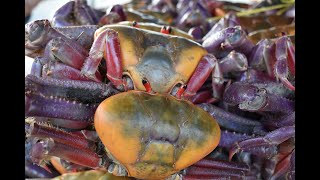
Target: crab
{"x":149,"y":131}
{"x":128,"y":115}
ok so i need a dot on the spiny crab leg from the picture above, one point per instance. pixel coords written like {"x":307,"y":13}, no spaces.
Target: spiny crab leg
{"x":284,"y":58}
{"x":48,"y":147}
{"x":258,"y":145}
{"x":228,"y":138}
{"x":36,"y":130}
{"x":232,"y":121}
{"x":288,"y":120}
{"x":83,"y":91}
{"x":107,"y":40}
{"x":54,"y":107}
{"x":61,"y":71}
{"x":51,"y":97}
{"x":209,"y":168}
{"x":207,"y":65}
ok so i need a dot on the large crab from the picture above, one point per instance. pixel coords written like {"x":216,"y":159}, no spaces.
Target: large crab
{"x":149,"y":132}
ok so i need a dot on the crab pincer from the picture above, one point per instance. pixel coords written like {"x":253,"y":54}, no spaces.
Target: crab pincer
{"x":223,"y":42}
{"x":285,"y":61}
{"x":252,"y":98}
{"x":75,"y":13}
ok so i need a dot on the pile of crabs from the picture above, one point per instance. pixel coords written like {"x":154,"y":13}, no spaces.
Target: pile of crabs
{"x":162,"y":89}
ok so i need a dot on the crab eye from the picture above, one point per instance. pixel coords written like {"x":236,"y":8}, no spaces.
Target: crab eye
{"x":178,"y":90}
{"x":146,"y":84}
{"x":166,"y":29}
{"x":169,"y":29}
{"x":181,"y":90}
{"x":135,"y":24}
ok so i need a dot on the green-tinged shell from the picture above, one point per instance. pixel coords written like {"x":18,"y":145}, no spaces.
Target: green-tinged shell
{"x":155,"y":135}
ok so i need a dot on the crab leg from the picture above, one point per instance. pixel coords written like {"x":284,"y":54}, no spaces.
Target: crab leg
{"x":210,"y":168}
{"x":288,"y":120}
{"x":63,"y":123}
{"x":229,"y":138}
{"x":36,"y":68}
{"x":262,"y":56}
{"x":84,"y":13}
{"x":36,"y":130}
{"x":281,"y":68}
{"x":54,"y":107}
{"x":61,"y":16}
{"x":65,"y":52}
{"x":35,"y":171}
{"x":83,"y":91}
{"x":107,"y":40}
{"x":203,"y":97}
{"x":252,"y":75}
{"x":258,"y":144}
{"x":208,"y":64}
{"x":49,"y":147}
{"x":233,"y":122}
{"x":283,"y":166}
{"x":84,"y":34}
{"x":61,"y":71}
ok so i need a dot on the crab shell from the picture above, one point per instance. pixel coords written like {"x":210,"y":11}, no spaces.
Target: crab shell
{"x":157,"y":28}
{"x":163,"y":60}
{"x":154,"y":135}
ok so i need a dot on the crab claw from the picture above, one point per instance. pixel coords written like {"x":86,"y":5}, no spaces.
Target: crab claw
{"x":285,"y":61}
{"x":266,"y":145}
{"x":250,"y":97}
{"x":36,"y":35}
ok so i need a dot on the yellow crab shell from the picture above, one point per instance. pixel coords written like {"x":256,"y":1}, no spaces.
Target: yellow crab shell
{"x":164,"y":60}
{"x":154,"y":135}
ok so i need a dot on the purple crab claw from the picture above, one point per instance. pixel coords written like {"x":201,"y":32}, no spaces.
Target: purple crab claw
{"x":223,"y":42}
{"x":252,"y":98}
